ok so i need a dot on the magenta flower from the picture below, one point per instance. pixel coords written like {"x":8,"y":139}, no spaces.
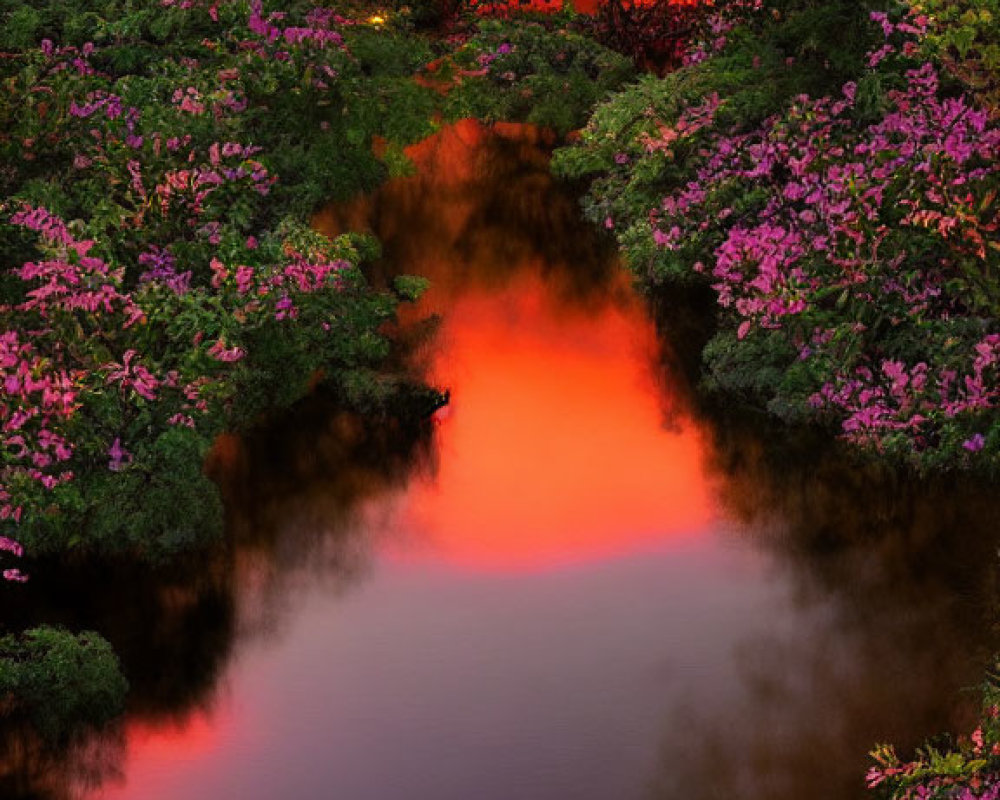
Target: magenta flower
{"x":119,"y":456}
{"x":220,"y":352}
{"x":134,"y":376}
{"x":975,"y":443}
{"x":11,"y":546}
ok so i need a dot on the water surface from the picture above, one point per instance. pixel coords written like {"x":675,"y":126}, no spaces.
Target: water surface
{"x":572,"y":585}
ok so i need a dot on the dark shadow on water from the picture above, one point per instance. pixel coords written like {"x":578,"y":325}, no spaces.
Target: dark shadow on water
{"x":296,"y":497}
{"x":891,"y":580}
{"x":32,"y":770}
{"x":892,"y":586}
{"x":295,"y":492}
{"x":292,"y":492}
{"x":893,"y":583}
{"x":482,"y":206}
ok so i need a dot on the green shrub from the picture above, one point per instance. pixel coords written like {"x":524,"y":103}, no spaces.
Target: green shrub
{"x":60,"y":682}
{"x":532,"y":72}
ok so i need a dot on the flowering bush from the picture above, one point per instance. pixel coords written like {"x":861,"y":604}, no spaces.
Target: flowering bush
{"x":963,"y":35}
{"x":851,"y":243}
{"x":966,"y":768}
{"x":532,"y":71}
{"x":156,"y":201}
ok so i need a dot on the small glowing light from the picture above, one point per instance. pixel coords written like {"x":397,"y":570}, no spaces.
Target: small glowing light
{"x":377,"y":20}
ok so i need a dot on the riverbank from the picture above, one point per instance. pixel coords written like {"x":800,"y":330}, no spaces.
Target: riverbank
{"x":838,"y":196}
{"x":832,"y":200}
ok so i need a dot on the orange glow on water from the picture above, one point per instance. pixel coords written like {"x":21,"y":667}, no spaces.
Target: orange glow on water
{"x":553,"y":449}
{"x":194,"y":737}
{"x":160,"y":752}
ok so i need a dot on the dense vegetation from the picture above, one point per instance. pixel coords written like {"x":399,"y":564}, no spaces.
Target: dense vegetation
{"x":838,"y":193}
{"x":826,"y":170}
{"x":59,"y":682}
{"x":534,"y":73}
{"x":170,"y":286}
{"x":964,"y":768}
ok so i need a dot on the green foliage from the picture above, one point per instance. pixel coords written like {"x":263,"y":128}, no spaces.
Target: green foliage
{"x":410,"y":287}
{"x":129,"y":33}
{"x":803,"y":48}
{"x":328,"y":154}
{"x":532,"y":72}
{"x":185,"y":135}
{"x":60,"y":682}
{"x":655,"y":156}
{"x":759,"y":370}
{"x":158,"y":506}
{"x":965,"y":35}
{"x":965,"y":766}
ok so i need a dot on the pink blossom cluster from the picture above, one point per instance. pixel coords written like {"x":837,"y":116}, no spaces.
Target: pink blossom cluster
{"x":691,"y":120}
{"x":966,"y":772}
{"x":36,"y":399}
{"x":317,"y":32}
{"x":189,"y":188}
{"x":110,"y":104}
{"x":68,"y":58}
{"x":301,"y":275}
{"x":128,"y":321}
{"x":896,"y":397}
{"x":132,"y":376}
{"x":719,"y":22}
{"x":72,"y":280}
{"x":892,"y":216}
{"x":44,"y":382}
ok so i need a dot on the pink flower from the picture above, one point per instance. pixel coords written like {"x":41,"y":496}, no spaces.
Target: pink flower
{"x":974,"y":444}
{"x":11,"y":546}
{"x":219,"y":352}
{"x":119,"y":456}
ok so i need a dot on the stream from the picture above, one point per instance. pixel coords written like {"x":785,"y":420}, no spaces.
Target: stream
{"x":574,"y":584}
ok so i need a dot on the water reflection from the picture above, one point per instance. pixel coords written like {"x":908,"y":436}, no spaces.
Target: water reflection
{"x":31,"y":769}
{"x":294,"y":494}
{"x":543,"y":347}
{"x":302,"y":499}
{"x":541,"y":397}
{"x":893,"y":585}
{"x":885,"y":583}
{"x":480,"y":209}
{"x":575,"y":583}
{"x":173,"y":632}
